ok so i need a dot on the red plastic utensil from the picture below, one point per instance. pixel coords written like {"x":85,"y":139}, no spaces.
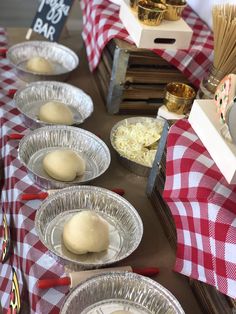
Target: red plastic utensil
{"x":15,"y":136}
{"x":147,"y":271}
{"x":75,"y":278}
{"x":3,"y":52}
{"x":53,"y":282}
{"x":36,"y":196}
{"x":11,"y":92}
{"x":119,"y":191}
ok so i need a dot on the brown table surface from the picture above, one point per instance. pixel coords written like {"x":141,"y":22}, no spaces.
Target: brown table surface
{"x":154,"y":249}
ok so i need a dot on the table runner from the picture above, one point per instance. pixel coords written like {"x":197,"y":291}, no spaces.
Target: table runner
{"x":31,"y":260}
{"x":203,"y":205}
{"x":101,"y":24}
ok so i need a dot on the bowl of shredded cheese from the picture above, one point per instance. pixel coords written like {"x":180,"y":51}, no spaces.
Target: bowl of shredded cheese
{"x":136,"y":142}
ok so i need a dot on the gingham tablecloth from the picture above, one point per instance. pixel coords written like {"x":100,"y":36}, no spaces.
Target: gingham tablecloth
{"x":101,"y":24}
{"x":30,"y":259}
{"x":203,"y":205}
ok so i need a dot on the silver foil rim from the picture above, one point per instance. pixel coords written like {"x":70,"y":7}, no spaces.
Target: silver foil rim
{"x":93,"y":198}
{"x":28,"y":97}
{"x":65,"y":59}
{"x":49,"y":50}
{"x":131,"y":165}
{"x":64,"y":137}
{"x":121,"y":286}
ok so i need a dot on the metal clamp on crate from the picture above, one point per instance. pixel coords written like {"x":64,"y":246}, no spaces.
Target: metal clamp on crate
{"x":155,"y":186}
{"x":156,"y":168}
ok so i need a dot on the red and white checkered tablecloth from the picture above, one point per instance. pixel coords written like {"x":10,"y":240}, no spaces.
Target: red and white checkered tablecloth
{"x":30,"y":259}
{"x":203,"y":205}
{"x":101,"y":24}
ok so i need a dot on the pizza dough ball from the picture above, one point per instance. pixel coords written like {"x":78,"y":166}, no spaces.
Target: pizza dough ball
{"x":40,"y":65}
{"x":56,"y":112}
{"x":121,"y":312}
{"x":86,"y":232}
{"x":63,"y":165}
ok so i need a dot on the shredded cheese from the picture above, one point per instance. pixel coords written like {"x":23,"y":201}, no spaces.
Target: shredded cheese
{"x":130,"y":140}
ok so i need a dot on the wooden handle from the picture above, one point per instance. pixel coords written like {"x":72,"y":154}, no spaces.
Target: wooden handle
{"x":15,"y":136}
{"x":36,"y":196}
{"x":53,"y":282}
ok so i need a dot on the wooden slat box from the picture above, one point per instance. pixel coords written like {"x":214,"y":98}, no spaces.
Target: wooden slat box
{"x":211,"y":300}
{"x":132,"y":80}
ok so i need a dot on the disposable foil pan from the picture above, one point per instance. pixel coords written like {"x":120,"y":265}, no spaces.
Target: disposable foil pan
{"x":120,"y":291}
{"x":34,"y":146}
{"x":30,"y":98}
{"x":63,"y":59}
{"x":133,"y":166}
{"x":125,"y":225}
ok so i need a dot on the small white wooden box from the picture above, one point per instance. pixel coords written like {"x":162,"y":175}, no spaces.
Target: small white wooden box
{"x":167,"y":35}
{"x":206,"y":123}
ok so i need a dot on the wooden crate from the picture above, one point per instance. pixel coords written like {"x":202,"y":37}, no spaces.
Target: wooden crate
{"x":132,"y":80}
{"x":211,"y":300}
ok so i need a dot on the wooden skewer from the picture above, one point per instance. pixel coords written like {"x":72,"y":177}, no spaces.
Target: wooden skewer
{"x":28,"y":34}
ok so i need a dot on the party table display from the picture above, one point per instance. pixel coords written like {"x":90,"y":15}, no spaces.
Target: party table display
{"x":80,"y":227}
{"x":41,"y":234}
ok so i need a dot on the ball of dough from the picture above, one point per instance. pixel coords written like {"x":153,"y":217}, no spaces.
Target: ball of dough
{"x":55,"y":112}
{"x":86,"y":232}
{"x":63,"y":165}
{"x":40,"y":65}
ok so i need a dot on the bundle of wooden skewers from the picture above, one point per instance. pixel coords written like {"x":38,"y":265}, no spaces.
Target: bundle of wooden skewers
{"x":224,"y":30}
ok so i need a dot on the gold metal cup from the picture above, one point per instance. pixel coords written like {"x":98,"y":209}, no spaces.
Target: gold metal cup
{"x":134,"y":3}
{"x":151,"y":13}
{"x":174,"y":9}
{"x":179,"y":97}
{"x":159,"y":1}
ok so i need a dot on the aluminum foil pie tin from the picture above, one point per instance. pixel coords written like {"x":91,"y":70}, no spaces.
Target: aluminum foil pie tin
{"x":125,"y":225}
{"x":120,"y":291}
{"x":34,"y":146}
{"x":29,"y":99}
{"x":63,"y":60}
{"x":131,"y":165}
